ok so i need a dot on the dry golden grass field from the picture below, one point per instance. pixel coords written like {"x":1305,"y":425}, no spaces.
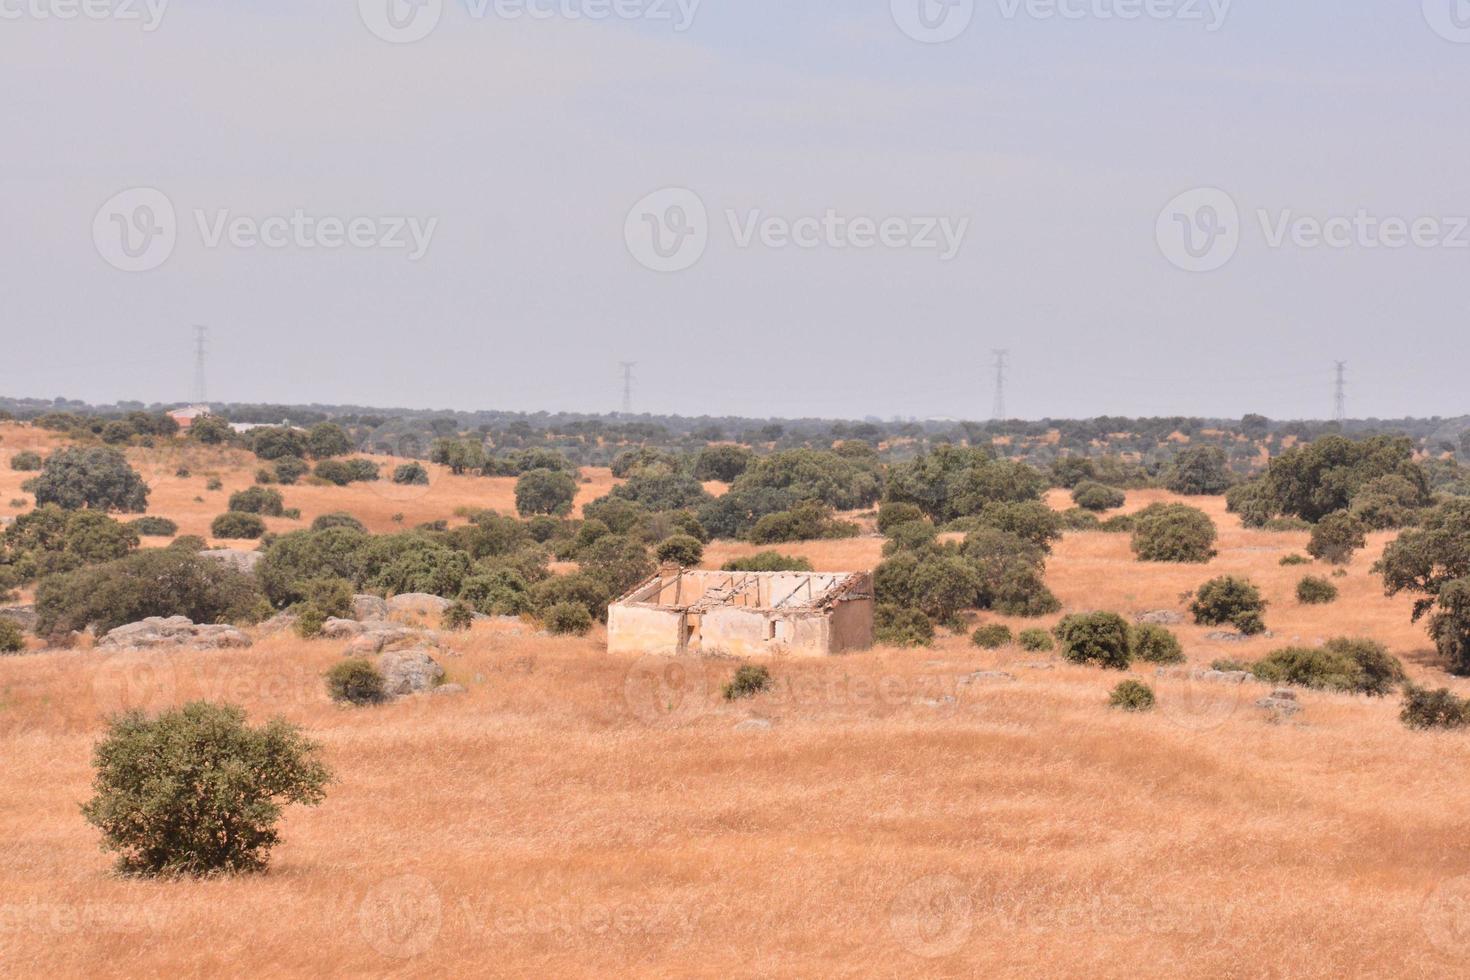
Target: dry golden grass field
{"x":578,"y":814}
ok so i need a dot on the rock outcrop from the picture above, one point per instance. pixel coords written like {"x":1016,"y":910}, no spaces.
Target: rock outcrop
{"x":176,"y":632}
{"x":417,"y":603}
{"x":369,"y":607}
{"x":242,"y":561}
{"x":409,"y":672}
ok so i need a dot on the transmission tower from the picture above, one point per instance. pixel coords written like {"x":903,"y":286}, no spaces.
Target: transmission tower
{"x":201,"y":389}
{"x":998,"y":411}
{"x":628,"y":367}
{"x":1341,"y":391}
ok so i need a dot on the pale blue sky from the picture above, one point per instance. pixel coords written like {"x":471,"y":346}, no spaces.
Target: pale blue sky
{"x":529,"y":141}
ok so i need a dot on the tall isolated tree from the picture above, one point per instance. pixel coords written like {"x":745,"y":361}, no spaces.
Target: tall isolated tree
{"x":95,"y":479}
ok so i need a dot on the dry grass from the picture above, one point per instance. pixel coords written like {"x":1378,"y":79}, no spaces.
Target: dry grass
{"x":568,"y":816}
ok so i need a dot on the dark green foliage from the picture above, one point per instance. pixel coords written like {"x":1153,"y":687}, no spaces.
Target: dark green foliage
{"x":735,"y":513}
{"x":749,"y":680}
{"x":646,"y":460}
{"x":660,"y":491}
{"x":191,"y":543}
{"x":1336,"y":537}
{"x":1070,"y":471}
{"x":460,"y":455}
{"x":992,"y":637}
{"x":95,"y":478}
{"x":722,"y":463}
{"x":294,"y":559}
{"x":289,"y":469}
{"x":1098,"y":497}
{"x":1318,"y":479}
{"x":1290,"y":560}
{"x":618,"y":515}
{"x":49,"y":541}
{"x":197,"y":790}
{"x":1230,"y":600}
{"x":618,"y":562}
{"x":896,"y":626}
{"x":550,"y":492}
{"x":395,"y":564}
{"x":411,"y":474}
{"x":581,"y":589}
{"x":344,"y":471}
{"x":841,"y":481}
{"x":278,"y":443}
{"x":767,"y":561}
{"x":1102,"y":638}
{"x":337,"y":519}
{"x":808,"y":521}
{"x":213,"y":483}
{"x":497,"y":592}
{"x":1388,"y":502}
{"x":519,"y":461}
{"x":1029,"y":520}
{"x":26,"y":462}
{"x":681,"y":549}
{"x":567,"y":619}
{"x":1173,"y":533}
{"x":356,"y":682}
{"x":12,"y":640}
{"x":1156,"y":645}
{"x":1036,"y":641}
{"x":327,"y":439}
{"x":892,"y":515}
{"x":1227,"y":665}
{"x":1252,"y":502}
{"x":1356,"y":666}
{"x":238,"y":527}
{"x":1426,"y":560}
{"x":325,"y":598}
{"x":952,"y":482}
{"x":1133,"y":696}
{"x":939,"y":584}
{"x":1119,"y":524}
{"x":211,"y":430}
{"x":1078,"y":519}
{"x":1424,"y":709}
{"x":154,"y":527}
{"x":1200,"y":471}
{"x":913,"y":536}
{"x":1287,"y":524}
{"x":459,"y":616}
{"x":1312,"y":591}
{"x":257,"y":500}
{"x":1450,"y":625}
{"x":154,"y":582}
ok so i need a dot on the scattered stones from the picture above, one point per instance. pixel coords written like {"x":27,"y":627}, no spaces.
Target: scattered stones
{"x":409,"y":672}
{"x":421,"y":603}
{"x":175,"y":631}
{"x":24,"y":616}
{"x":279,"y":623}
{"x":1160,"y":617}
{"x":241,"y":561}
{"x":376,"y":638}
{"x":753,"y":725}
{"x":1224,"y":636}
{"x":1281,"y":705}
{"x":369,"y":607}
{"x":447,"y":690}
{"x":987,"y":677}
{"x":345,"y":629}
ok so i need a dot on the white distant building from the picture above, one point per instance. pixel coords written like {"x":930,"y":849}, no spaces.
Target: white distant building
{"x":185,"y":416}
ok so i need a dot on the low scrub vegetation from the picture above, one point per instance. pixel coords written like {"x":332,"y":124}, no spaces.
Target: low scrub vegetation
{"x":749,"y":680}
{"x":1230,"y":600}
{"x":1348,"y":665}
{"x":767,"y":561}
{"x":1424,"y":709}
{"x":356,"y":682}
{"x":1100,"y":638}
{"x":992,"y":637}
{"x":1314,"y":591}
{"x":1132,"y":696}
{"x":1173,"y":533}
{"x":896,"y":626}
{"x":237,"y":527}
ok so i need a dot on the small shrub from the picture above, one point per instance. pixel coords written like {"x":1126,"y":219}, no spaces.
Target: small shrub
{"x":567,"y":619}
{"x":1230,"y":600}
{"x":411,"y":475}
{"x":1132,"y":696}
{"x":257,"y":500}
{"x":1174,"y":533}
{"x":356,"y":682}
{"x":12,"y":640}
{"x":1229,"y":666}
{"x":1101,"y":637}
{"x":1336,"y":537}
{"x":1312,"y":591}
{"x":1355,"y":666}
{"x":1036,"y":641}
{"x":1119,"y":524}
{"x":214,"y":483}
{"x":1078,"y":519}
{"x":197,"y":791}
{"x":767,"y":561}
{"x":1098,"y":497}
{"x":237,"y":527}
{"x":26,"y":462}
{"x":309,"y":622}
{"x":892,"y":514}
{"x":337,"y":519}
{"x":459,"y":617}
{"x":682,"y":549}
{"x":154,"y":527}
{"x":1425,"y":709}
{"x":992,"y":637}
{"x":749,"y":681}
{"x":897,"y":626}
{"x":1155,"y":645}
{"x":1288,"y":560}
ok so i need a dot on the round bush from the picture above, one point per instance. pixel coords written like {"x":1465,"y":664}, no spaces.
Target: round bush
{"x":198,"y":791}
{"x":154,"y":527}
{"x":356,"y":682}
{"x":337,"y":519}
{"x":12,"y":640}
{"x":567,"y":619}
{"x":1336,"y":537}
{"x":1230,"y":600}
{"x":683,"y":550}
{"x":1156,"y":645}
{"x":26,"y":462}
{"x":237,"y":527}
{"x":748,"y":681}
{"x":1132,"y":696}
{"x":1098,"y":497}
{"x":1036,"y":641}
{"x":1173,"y":533}
{"x":1312,"y":591}
{"x":992,"y":637}
{"x":411,"y":474}
{"x":897,"y":626}
{"x":1101,"y":637}
{"x":459,"y":617}
{"x":891,"y":514}
{"x":257,"y":500}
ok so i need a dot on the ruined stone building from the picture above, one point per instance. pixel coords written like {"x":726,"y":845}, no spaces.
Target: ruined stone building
{"x":744,"y":613}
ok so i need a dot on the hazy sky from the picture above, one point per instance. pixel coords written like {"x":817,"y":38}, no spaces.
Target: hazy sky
{"x":1049,"y":147}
